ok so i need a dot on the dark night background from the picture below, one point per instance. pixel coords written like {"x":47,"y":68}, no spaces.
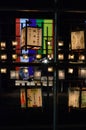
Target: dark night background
{"x":71,"y":15}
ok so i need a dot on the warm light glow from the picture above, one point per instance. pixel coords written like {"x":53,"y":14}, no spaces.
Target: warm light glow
{"x":71,"y":56}
{"x":17,"y":84}
{"x":25,"y":56}
{"x":14,"y":74}
{"x":38,"y":56}
{"x":34,"y":97}
{"x":81,"y":57}
{"x":70,"y":70}
{"x":37,"y":74}
{"x":60,"y":43}
{"x":50,"y":56}
{"x":34,"y":36}
{"x":36,"y":48}
{"x":3,"y":70}
{"x":3,"y":45}
{"x":50,"y":69}
{"x":60,"y":56}
{"x":3,"y":57}
{"x":49,"y":42}
{"x":77,"y":40}
{"x":25,"y":70}
{"x":14,"y":56}
{"x":14,"y":43}
{"x":73,"y":97}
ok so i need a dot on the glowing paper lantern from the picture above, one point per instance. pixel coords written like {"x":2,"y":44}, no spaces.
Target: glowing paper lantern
{"x":77,"y":40}
{"x":34,"y":36}
{"x":34,"y":97}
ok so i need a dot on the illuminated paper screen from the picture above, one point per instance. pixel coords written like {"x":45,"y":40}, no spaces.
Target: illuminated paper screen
{"x":77,"y":40}
{"x":34,"y":97}
{"x":83,"y":99}
{"x":73,"y":98}
{"x":34,"y":36}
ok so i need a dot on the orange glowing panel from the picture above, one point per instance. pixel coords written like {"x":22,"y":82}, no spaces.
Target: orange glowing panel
{"x":18,"y":40}
{"x":23,"y":98}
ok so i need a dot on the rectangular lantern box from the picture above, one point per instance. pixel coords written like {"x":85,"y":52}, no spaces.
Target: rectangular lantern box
{"x":34,"y":97}
{"x":77,"y":40}
{"x":73,"y":97}
{"x":32,"y":36}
